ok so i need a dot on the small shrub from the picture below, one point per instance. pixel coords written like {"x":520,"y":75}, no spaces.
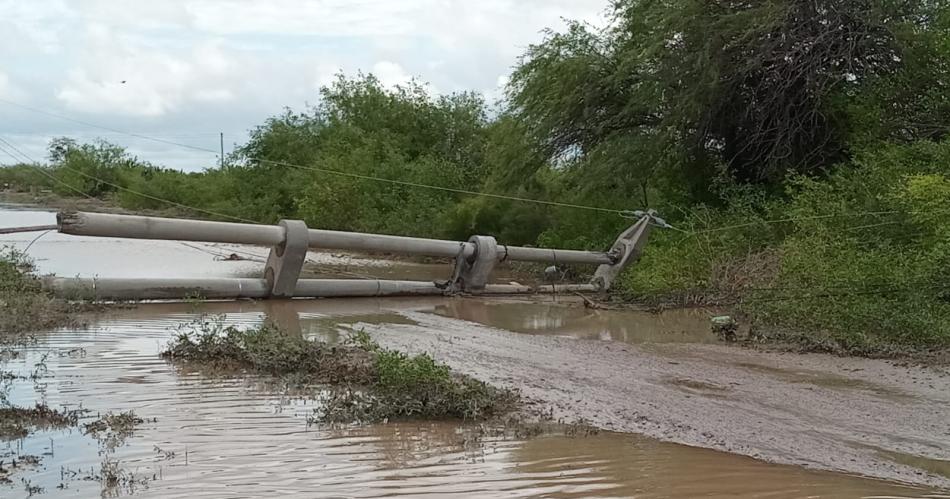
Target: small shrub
{"x":24,"y":305}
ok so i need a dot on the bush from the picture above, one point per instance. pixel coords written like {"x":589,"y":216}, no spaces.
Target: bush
{"x":875,"y":273}
{"x":24,"y":305}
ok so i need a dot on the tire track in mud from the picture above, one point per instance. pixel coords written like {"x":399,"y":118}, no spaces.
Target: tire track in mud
{"x":849,"y":415}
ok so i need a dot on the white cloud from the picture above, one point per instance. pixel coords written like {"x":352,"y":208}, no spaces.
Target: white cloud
{"x":9,"y":90}
{"x":204,"y":65}
{"x":28,"y":26}
{"x":117,"y":74}
{"x":391,"y":74}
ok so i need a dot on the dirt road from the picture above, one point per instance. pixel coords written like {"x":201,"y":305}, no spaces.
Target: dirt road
{"x":861,"y":416}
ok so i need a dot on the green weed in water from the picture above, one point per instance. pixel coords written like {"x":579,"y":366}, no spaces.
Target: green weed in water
{"x":361,"y":381}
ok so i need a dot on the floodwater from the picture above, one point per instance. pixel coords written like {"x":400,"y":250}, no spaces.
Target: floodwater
{"x":244,"y":436}
{"x":248,"y":437}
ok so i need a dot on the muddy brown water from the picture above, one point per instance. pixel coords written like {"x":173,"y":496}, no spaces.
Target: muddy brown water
{"x":246,"y":437}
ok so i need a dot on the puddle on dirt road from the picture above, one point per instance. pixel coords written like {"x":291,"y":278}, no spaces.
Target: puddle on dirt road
{"x":207,"y":437}
{"x":552,"y":318}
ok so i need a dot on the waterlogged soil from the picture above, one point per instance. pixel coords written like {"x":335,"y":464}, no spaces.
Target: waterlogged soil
{"x":861,"y":416}
{"x":652,"y":381}
{"x":213,"y":436}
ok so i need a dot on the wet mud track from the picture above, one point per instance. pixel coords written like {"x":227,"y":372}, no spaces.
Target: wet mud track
{"x":859,"y":416}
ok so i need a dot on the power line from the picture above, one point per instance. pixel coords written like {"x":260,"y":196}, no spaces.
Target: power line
{"x":94,"y":125}
{"x":31,"y":162}
{"x":150,"y":134}
{"x":19,"y":159}
{"x":325,"y":170}
{"x":155,"y":198}
{"x":429,"y":186}
{"x":800,"y":219}
{"x":848,"y":290}
{"x":119,"y":187}
{"x":439,"y":188}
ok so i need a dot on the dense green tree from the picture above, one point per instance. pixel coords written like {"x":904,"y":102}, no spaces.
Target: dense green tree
{"x":674,"y":88}
{"x":95,"y":169}
{"x":360,"y":129}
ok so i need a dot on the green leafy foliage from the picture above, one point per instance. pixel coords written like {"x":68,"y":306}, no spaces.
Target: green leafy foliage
{"x":765,"y":88}
{"x":365,"y":381}
{"x":24,"y":177}
{"x":24,"y":306}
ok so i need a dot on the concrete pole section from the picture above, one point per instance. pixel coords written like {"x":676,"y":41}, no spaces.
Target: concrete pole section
{"x":122,"y":289}
{"x":629,"y":246}
{"x":474,"y":275}
{"x":138,"y":227}
{"x":286,"y":259}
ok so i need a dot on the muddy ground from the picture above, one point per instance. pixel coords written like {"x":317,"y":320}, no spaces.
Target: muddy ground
{"x":861,"y":416}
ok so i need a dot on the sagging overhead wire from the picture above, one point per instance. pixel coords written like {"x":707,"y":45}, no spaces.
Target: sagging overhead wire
{"x":52,"y":177}
{"x":29,"y":161}
{"x":156,"y":198}
{"x":623,"y":213}
{"x":327,"y":170}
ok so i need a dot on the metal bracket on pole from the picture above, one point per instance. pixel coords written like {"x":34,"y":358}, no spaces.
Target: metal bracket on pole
{"x":626,"y":249}
{"x":286,"y":259}
{"x":472,"y":275}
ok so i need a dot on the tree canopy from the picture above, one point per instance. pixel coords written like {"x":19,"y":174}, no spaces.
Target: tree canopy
{"x":680,"y":88}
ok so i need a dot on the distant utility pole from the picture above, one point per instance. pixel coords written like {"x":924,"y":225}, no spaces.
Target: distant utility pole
{"x":222,"y":149}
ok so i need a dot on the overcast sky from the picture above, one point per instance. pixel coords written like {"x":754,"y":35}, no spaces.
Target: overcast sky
{"x":193,"y":68}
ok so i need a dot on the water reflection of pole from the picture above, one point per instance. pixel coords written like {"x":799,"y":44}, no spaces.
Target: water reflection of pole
{"x":283,"y":315}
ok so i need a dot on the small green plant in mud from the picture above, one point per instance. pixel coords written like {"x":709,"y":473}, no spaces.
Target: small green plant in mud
{"x":360,"y":381}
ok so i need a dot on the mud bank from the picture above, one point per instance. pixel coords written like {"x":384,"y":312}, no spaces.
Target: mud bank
{"x":859,"y":416}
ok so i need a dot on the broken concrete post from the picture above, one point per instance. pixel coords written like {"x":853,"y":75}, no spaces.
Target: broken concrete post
{"x":83,"y":288}
{"x":290,"y":240}
{"x":286,"y":259}
{"x":472,"y":274}
{"x":140,"y":227}
{"x":175,"y":229}
{"x":626,"y":250}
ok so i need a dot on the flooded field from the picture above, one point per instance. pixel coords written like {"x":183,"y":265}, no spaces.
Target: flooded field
{"x":241,"y":436}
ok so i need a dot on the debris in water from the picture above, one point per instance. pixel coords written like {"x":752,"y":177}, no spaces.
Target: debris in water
{"x":725,"y":327}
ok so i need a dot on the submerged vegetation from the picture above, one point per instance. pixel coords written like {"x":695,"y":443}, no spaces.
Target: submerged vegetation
{"x":24,"y":306}
{"x":361,"y":381}
{"x":800,"y":148}
{"x":18,"y":422}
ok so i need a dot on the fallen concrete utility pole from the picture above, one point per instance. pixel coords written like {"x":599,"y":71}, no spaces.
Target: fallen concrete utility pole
{"x":31,"y":228}
{"x":290,"y":240}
